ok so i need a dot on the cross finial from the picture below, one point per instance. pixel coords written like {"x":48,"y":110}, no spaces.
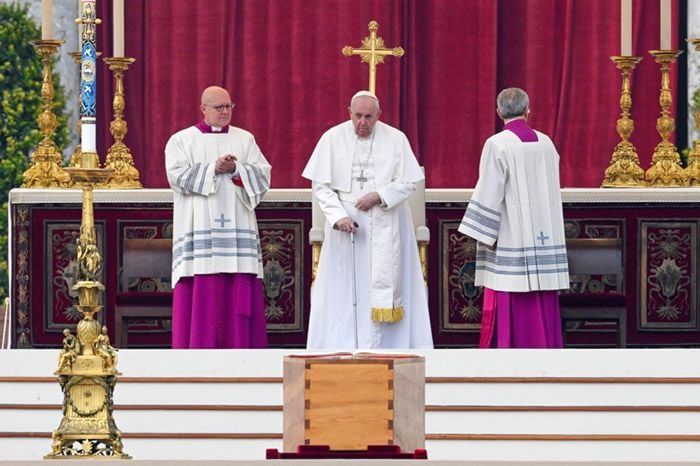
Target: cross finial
{"x":373,"y":53}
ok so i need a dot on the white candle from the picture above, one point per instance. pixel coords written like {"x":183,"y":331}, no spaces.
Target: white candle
{"x":665,"y":25}
{"x":88,"y":135}
{"x":118,"y":28}
{"x":626,"y":28}
{"x":46,"y":32}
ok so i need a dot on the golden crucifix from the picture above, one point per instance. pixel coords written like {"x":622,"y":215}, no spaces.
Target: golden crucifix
{"x":373,"y":53}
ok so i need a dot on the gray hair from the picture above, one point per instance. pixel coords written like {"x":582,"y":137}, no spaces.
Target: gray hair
{"x":512,"y":102}
{"x":365,"y":94}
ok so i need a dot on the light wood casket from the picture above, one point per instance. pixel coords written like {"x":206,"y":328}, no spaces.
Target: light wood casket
{"x":350,"y":401}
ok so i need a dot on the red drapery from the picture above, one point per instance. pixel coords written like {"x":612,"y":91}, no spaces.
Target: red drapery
{"x":281,"y":61}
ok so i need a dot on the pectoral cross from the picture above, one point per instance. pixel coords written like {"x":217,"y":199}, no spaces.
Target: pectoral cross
{"x":362,"y":178}
{"x":373,"y":53}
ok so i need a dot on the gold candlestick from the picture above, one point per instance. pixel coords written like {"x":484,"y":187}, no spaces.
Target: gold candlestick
{"x":124,"y":173}
{"x":665,"y":170}
{"x":45,"y":170}
{"x":692,"y":171}
{"x":624,"y":170}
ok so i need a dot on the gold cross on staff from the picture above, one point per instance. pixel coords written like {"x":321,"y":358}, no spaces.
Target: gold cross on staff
{"x":372,"y":52}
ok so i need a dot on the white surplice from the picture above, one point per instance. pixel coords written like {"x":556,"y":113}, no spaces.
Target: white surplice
{"x":517,"y":206}
{"x":342,"y":168}
{"x":214,"y":224}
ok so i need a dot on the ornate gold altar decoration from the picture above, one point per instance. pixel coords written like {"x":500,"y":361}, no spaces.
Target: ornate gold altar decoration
{"x":665,"y":170}
{"x":315,"y":258}
{"x":423,"y":254}
{"x":87,"y":364}
{"x":119,"y":160}
{"x":692,"y":171}
{"x":372,"y":52}
{"x":624,"y":170}
{"x":45,"y":169}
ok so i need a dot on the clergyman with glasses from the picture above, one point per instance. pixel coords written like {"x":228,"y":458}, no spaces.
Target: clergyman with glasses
{"x":218,"y":175}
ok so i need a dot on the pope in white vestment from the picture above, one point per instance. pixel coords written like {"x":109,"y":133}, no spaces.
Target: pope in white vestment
{"x":362,"y":172}
{"x":516,"y":216}
{"x":218,"y":175}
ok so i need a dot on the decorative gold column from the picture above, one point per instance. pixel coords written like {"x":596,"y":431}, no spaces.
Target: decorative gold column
{"x":423,"y":254}
{"x":45,"y":170}
{"x":624,"y":170}
{"x":692,"y":171}
{"x":87,"y":364}
{"x":665,"y":170}
{"x":315,"y":258}
{"x":119,"y":160}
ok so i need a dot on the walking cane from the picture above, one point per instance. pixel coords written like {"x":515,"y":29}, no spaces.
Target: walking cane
{"x":354,"y":286}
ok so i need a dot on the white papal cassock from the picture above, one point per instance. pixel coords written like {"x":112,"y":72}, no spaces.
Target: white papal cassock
{"x":388,"y":273}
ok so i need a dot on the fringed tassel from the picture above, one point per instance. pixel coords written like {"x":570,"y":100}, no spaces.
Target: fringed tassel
{"x":387,"y":314}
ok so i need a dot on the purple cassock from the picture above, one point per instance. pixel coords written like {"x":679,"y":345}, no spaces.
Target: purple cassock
{"x":521,"y":319}
{"x":224,"y":310}
{"x":219,"y":310}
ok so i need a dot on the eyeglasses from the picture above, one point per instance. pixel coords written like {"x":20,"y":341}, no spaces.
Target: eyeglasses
{"x":221,"y":108}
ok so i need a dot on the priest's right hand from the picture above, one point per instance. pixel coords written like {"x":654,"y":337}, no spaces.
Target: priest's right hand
{"x":346,"y":224}
{"x":225,"y":164}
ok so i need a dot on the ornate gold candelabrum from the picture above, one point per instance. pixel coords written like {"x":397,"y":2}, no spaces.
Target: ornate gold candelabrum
{"x":119,"y":160}
{"x":665,"y":170}
{"x":624,"y":170}
{"x":692,"y":171}
{"x":45,"y":170}
{"x":87,"y":364}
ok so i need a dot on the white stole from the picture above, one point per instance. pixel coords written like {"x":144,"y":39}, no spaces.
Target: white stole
{"x":385,"y":275}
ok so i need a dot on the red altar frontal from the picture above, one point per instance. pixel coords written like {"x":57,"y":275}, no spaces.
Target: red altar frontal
{"x":657,"y":229}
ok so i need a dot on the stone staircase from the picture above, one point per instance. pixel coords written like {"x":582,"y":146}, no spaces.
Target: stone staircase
{"x":481,"y":405}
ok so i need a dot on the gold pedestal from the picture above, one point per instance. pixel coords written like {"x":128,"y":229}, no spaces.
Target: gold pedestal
{"x":119,"y":160}
{"x":665,"y":170}
{"x":624,"y":170}
{"x":87,"y":364}
{"x":45,"y":170}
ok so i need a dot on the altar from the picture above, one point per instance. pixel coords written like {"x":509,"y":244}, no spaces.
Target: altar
{"x":657,"y":228}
